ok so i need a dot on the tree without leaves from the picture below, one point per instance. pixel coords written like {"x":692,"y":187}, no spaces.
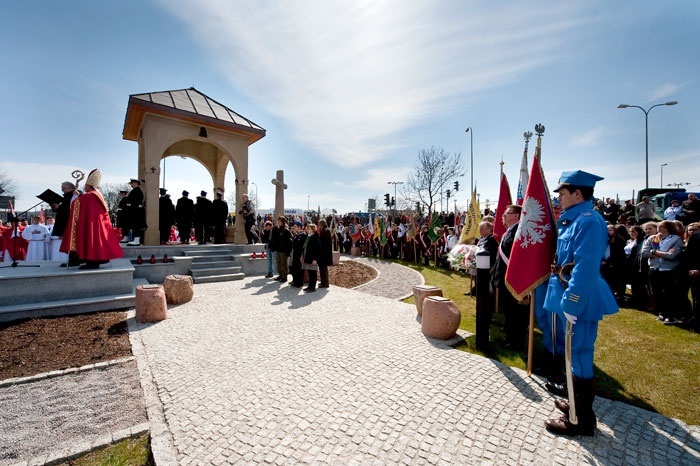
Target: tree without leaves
{"x":110,"y":193}
{"x":7,"y":184}
{"x":434,"y":172}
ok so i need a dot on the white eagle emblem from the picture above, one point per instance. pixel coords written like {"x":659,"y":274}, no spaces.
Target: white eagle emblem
{"x":532,"y":229}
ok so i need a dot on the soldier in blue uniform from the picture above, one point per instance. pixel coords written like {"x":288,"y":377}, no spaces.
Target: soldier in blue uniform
{"x":577,"y":292}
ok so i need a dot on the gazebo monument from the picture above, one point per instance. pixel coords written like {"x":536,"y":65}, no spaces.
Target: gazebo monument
{"x":188,"y":123}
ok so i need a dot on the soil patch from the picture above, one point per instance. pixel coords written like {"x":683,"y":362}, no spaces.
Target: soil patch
{"x":29,"y":347}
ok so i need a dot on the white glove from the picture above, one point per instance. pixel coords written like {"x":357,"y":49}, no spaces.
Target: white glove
{"x":570,"y":318}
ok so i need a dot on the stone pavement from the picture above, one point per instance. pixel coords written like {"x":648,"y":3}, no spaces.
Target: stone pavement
{"x":254,"y":372}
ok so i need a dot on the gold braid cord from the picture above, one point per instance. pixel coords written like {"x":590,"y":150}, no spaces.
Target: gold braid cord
{"x":74,"y":224}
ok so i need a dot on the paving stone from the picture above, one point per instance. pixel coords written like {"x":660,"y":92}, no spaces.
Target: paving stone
{"x":346,"y":377}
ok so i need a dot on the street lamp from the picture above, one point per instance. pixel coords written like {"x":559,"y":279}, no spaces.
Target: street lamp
{"x":471,"y":157}
{"x":394,"y":183}
{"x":308,"y":202}
{"x":646,"y":130}
{"x":662,"y":174}
{"x":257,"y":201}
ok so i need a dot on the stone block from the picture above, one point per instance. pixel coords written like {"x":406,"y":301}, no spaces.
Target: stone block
{"x":441,"y":318}
{"x":420,"y":292}
{"x":336,"y":258}
{"x":150,"y":303}
{"x":355,"y":251}
{"x":178,"y":289}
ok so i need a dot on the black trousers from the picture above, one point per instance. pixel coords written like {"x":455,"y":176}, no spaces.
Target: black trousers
{"x":323,"y":272}
{"x":313,"y":276}
{"x":516,"y":317}
{"x":665,"y":292}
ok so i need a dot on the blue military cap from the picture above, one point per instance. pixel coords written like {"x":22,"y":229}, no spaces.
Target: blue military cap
{"x":577,"y":178}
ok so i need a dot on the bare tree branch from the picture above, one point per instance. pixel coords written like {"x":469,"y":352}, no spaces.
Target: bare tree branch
{"x":434,"y":172}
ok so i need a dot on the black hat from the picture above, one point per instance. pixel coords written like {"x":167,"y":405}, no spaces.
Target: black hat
{"x":123,"y":191}
{"x":203,"y":193}
{"x":185,"y":193}
{"x":162,"y":191}
{"x":219,"y":194}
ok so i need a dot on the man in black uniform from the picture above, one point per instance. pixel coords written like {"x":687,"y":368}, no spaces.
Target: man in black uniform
{"x":202,"y":218}
{"x":136,"y":213}
{"x":184,"y":213}
{"x":166,"y":215}
{"x":247,"y":211}
{"x":220,"y":214}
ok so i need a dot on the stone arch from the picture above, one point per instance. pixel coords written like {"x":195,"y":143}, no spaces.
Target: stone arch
{"x":187,"y":122}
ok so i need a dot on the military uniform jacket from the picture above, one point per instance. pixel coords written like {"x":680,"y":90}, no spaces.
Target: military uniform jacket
{"x":184,"y":212}
{"x":582,"y":242}
{"x":135,"y":212}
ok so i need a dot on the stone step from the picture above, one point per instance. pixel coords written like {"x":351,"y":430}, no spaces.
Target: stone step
{"x":213,"y":264}
{"x":213,"y":258}
{"x":71,"y":306}
{"x":47,"y":281}
{"x":207,"y":252}
{"x":211,"y":271}
{"x":219,"y":278}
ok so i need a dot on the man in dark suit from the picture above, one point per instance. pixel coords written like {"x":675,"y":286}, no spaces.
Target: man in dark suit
{"x":220,"y":214}
{"x":202,"y":218}
{"x":136,"y":213}
{"x":166,"y":215}
{"x":515,"y":314}
{"x":184,"y":213}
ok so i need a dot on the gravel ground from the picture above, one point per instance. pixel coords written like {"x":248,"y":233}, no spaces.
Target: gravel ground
{"x":52,"y":414}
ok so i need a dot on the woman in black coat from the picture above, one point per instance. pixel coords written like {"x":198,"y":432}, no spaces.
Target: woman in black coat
{"x":312,"y":253}
{"x":326,"y":253}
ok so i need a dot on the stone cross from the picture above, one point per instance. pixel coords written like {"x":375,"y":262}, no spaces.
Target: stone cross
{"x":279,"y":193}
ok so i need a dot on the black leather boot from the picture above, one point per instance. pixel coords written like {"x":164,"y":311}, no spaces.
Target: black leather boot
{"x":584,"y":394}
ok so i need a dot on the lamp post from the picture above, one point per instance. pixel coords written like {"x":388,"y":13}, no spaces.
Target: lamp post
{"x":646,"y":129}
{"x":662,"y":174}
{"x":257,"y":201}
{"x":394,"y":183}
{"x":308,"y":202}
{"x":471,"y":158}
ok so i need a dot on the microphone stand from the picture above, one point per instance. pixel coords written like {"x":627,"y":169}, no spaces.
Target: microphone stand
{"x":14,"y":238}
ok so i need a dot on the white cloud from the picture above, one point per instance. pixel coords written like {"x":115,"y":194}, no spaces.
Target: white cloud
{"x":665,"y":92}
{"x":589,"y":138}
{"x":348,"y":77}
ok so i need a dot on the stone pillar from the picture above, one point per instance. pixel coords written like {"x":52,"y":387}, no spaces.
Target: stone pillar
{"x":279,"y":193}
{"x":420,"y":292}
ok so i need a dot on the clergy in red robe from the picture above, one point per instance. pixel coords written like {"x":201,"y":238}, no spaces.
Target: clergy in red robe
{"x":14,"y":245}
{"x":89,"y":231}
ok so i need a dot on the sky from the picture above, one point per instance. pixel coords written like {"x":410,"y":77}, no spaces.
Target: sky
{"x":350,"y":92}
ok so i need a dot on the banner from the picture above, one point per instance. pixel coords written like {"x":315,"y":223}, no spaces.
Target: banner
{"x":434,"y":226}
{"x":470,"y":232}
{"x":523,"y":179}
{"x":536,"y":237}
{"x":504,"y":200}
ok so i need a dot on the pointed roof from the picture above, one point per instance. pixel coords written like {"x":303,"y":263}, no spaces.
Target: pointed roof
{"x":189,"y":105}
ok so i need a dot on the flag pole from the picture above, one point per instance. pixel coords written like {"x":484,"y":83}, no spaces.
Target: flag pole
{"x":531,"y":331}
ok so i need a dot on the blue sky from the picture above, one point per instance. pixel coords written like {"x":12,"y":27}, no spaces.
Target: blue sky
{"x":350,"y":92}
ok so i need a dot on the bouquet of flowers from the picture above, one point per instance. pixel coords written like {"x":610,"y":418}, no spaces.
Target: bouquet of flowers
{"x":462,"y":256}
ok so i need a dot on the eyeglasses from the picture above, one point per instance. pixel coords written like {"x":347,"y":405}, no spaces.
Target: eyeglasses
{"x":509,"y":213}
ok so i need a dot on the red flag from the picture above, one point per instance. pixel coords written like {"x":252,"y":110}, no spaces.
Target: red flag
{"x":355,"y":231}
{"x":504,"y":200}
{"x":536,"y":237}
